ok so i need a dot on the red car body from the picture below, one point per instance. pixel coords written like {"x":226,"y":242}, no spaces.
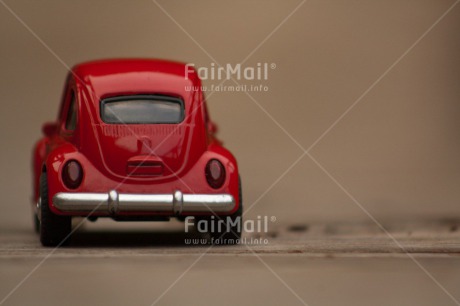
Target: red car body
{"x":137,"y":170}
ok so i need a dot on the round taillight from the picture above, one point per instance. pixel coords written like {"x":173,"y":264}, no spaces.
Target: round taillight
{"x":72,"y":174}
{"x":215,"y":173}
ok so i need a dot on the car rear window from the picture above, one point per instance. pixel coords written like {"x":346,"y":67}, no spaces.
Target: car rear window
{"x":142,"y":109}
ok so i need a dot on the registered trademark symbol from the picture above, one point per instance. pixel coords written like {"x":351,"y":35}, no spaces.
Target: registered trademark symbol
{"x":273,"y":218}
{"x":273,"y":66}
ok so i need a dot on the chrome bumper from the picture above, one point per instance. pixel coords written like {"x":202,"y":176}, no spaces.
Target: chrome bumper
{"x":113,"y":203}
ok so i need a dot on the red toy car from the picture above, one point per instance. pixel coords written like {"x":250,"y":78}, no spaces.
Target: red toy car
{"x":131,"y":143}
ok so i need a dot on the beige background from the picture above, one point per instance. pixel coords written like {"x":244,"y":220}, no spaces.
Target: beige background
{"x":396,"y":152}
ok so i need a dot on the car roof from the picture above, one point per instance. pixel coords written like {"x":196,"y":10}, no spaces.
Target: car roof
{"x":112,"y":76}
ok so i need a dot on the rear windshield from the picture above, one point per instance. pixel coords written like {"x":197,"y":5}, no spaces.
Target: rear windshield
{"x":142,"y":109}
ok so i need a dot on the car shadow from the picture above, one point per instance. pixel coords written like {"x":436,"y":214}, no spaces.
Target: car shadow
{"x":134,"y":238}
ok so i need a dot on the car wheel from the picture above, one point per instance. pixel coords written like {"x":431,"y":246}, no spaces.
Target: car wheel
{"x":231,"y":234}
{"x":54,"y":230}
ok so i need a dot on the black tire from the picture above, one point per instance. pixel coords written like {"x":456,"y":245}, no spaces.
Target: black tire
{"x":54,"y":230}
{"x":231,"y":235}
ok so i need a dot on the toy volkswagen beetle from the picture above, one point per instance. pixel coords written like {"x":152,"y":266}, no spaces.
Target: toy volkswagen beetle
{"x":132,"y":143}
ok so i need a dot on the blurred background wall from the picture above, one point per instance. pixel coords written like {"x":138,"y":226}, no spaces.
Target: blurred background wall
{"x":396,"y":152}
